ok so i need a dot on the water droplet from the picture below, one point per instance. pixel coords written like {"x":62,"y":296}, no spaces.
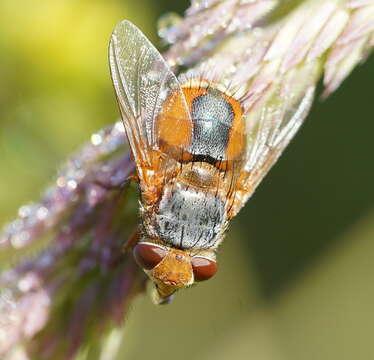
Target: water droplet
{"x":96,"y":139}
{"x":20,"y":239}
{"x":28,"y":282}
{"x":232,"y":69}
{"x":166,"y":26}
{"x":72,"y":184}
{"x":119,"y":127}
{"x":14,"y":227}
{"x":95,"y":194}
{"x":172,"y":62}
{"x":112,"y":145}
{"x":74,"y":174}
{"x":61,"y":181}
{"x":26,"y":210}
{"x":42,"y":213}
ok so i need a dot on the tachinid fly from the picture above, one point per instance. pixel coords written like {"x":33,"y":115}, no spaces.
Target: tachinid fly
{"x":199,"y":155}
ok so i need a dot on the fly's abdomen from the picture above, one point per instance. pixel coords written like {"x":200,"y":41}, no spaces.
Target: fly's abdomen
{"x":189,"y":218}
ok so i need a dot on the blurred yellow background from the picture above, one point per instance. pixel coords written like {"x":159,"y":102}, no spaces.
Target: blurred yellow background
{"x":295,"y":278}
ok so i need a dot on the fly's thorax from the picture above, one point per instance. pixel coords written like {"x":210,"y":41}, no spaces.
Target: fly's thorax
{"x":213,"y":134}
{"x":212,"y":117}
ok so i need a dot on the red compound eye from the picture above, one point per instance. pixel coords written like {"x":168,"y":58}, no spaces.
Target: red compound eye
{"x":148,"y":255}
{"x":203,"y":268}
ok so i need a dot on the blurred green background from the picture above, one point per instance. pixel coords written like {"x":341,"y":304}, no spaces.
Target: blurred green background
{"x":296,"y":271}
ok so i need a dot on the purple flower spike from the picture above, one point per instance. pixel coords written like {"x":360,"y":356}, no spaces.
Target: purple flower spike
{"x":83,"y":281}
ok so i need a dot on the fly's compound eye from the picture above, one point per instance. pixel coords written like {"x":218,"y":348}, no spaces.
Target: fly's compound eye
{"x":203,"y":268}
{"x":148,"y":255}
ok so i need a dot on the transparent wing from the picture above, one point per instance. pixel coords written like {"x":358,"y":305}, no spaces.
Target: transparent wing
{"x":142,"y":81}
{"x":270,"y":127}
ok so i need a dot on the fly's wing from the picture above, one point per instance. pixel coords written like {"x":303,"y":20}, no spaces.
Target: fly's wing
{"x":269,"y":128}
{"x":142,"y":81}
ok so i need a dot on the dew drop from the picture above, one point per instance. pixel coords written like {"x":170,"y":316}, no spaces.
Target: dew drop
{"x":20,"y":239}
{"x":119,"y":127}
{"x":42,"y":213}
{"x":25,"y":210}
{"x":13,"y":227}
{"x":61,"y":181}
{"x":72,"y":184}
{"x":96,"y":139}
{"x":28,"y":282}
{"x":165,"y":26}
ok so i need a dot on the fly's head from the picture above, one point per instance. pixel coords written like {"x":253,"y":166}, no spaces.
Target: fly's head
{"x":171,"y":269}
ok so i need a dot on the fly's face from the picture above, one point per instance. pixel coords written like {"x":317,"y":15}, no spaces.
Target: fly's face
{"x":172,"y":269}
{"x":199,"y":156}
